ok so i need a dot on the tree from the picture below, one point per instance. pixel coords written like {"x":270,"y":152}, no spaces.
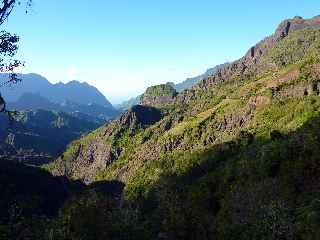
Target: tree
{"x":9,"y":47}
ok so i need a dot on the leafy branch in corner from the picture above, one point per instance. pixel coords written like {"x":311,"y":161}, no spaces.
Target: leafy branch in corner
{"x":8,"y":49}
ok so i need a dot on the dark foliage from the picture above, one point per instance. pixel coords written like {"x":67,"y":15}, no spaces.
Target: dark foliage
{"x":8,"y":48}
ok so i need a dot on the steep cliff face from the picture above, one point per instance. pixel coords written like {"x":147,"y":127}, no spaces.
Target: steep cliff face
{"x":139,"y":116}
{"x":158,"y":96}
{"x":252,"y":61}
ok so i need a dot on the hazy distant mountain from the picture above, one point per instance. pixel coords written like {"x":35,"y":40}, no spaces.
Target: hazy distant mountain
{"x":127,"y":104}
{"x":36,"y":92}
{"x":92,"y":111}
{"x":74,"y":91}
{"x":189,"y":82}
{"x":51,"y":116}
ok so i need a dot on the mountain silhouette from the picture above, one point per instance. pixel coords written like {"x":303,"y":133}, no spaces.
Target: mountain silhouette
{"x":81,"y":93}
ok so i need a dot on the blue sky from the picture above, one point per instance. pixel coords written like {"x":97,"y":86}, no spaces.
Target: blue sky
{"x":124,"y":46}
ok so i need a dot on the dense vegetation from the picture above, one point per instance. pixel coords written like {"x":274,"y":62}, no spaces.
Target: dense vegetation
{"x":160,"y":90}
{"x":236,"y":159}
{"x":39,"y":136}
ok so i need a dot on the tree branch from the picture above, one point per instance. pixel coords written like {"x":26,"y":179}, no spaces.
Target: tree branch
{"x":5,"y":9}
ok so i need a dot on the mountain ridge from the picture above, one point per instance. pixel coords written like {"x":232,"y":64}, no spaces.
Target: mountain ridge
{"x":187,"y":83}
{"x":250,"y":62}
{"x":57,"y":93}
{"x":34,"y":101}
{"x":235,"y":157}
{"x":38,"y":136}
{"x":245,"y":65}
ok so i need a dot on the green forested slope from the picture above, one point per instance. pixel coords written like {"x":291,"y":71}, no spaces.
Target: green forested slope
{"x":38,"y":137}
{"x":235,"y":157}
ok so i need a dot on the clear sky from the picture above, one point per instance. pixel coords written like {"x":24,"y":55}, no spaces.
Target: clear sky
{"x":124,"y":46}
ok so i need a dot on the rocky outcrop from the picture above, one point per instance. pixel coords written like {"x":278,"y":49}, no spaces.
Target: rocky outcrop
{"x":139,"y":116}
{"x":87,"y":160}
{"x":159,"y":96}
{"x":98,"y":150}
{"x":157,"y":101}
{"x":251,"y":62}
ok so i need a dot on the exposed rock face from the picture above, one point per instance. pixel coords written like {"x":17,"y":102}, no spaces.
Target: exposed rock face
{"x":157,"y":101}
{"x":88,"y":158}
{"x":139,"y":116}
{"x":159,"y":96}
{"x":252,"y":59}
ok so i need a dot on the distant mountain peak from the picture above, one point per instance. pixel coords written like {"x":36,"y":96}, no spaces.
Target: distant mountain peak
{"x":77,"y":82}
{"x":81,"y":93}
